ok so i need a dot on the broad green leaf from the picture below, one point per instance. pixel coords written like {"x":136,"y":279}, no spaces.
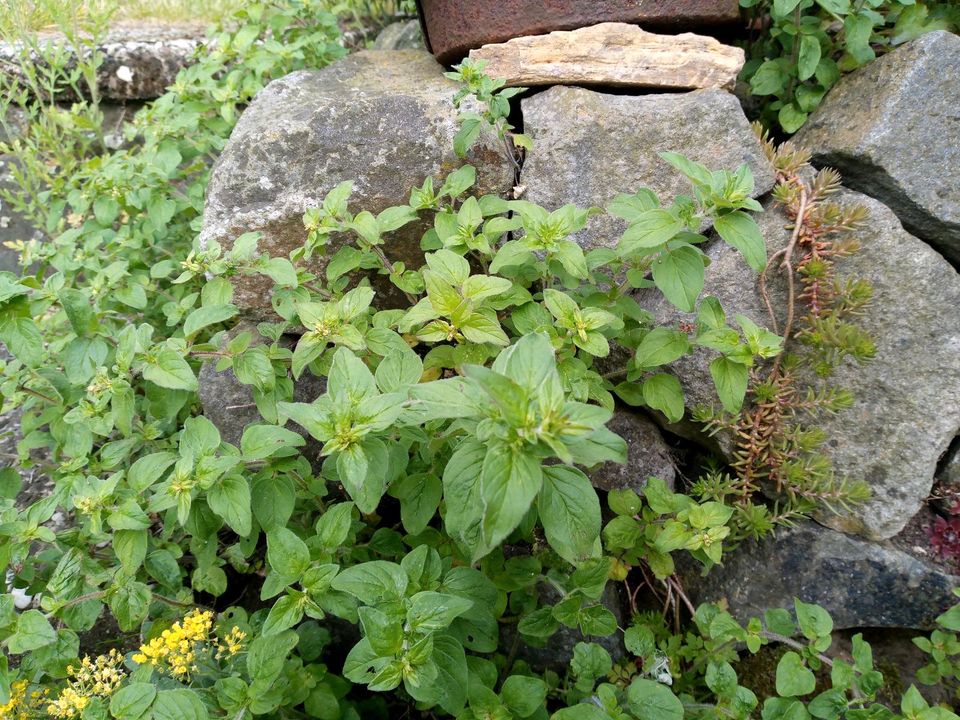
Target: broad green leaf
{"x":581,"y":711}
{"x":22,"y":339}
{"x":661,"y":346}
{"x":459,"y":181}
{"x":509,"y":482}
{"x":129,"y":600}
{"x":793,"y":677}
{"x":130,"y":547}
{"x":649,"y":700}
{"x":398,"y":370}
{"x":419,"y":495}
{"x":362,"y":469}
{"x":333,"y":527}
{"x":698,"y":174}
{"x":287,"y":553}
{"x":771,"y":78}
{"x":528,"y":362}
{"x":33,"y":631}
{"x":266,"y":656}
{"x":349,"y":374}
{"x":461,"y":491}
{"x":809,"y":56}
{"x":814,"y":621}
{"x":132,"y":700}
{"x":230,"y":499}
{"x":791,"y":117}
{"x":262,"y":441}
{"x":452,"y":676}
{"x":168,"y":369}
{"x":731,"y":380}
{"x":782,"y":8}
{"x":679,"y":275}
{"x":178,"y":705}
{"x":663,"y":392}
{"x":373,"y":582}
{"x":431,"y":611}
{"x":650,"y":229}
{"x":561,"y":306}
{"x":740,"y":230}
{"x":204,"y":316}
{"x":480,"y":327}
{"x":284,"y":614}
{"x":570,"y":512}
{"x":451,"y":268}
{"x":775,"y":708}
{"x":524,"y":695}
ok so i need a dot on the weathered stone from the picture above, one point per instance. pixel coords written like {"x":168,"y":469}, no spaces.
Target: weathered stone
{"x":647,"y":455}
{"x":860,"y":583}
{"x":402,"y":35}
{"x":906,"y":407}
{"x":229,"y":404}
{"x":139,"y":61}
{"x":615,"y":54}
{"x":891,"y":128}
{"x":383,"y":119}
{"x":589,"y":147}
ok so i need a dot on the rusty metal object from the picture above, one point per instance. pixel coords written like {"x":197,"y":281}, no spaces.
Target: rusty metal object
{"x":454,"y":27}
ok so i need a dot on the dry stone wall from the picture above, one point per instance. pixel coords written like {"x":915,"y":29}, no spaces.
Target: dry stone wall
{"x":383,"y":119}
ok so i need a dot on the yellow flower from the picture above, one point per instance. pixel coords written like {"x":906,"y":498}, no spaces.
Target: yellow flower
{"x":175,"y":650}
{"x":99,"y":677}
{"x":18,"y":690}
{"x":231,"y":644}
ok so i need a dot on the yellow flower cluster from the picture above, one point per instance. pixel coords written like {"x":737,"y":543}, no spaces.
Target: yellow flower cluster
{"x":231,"y":644}
{"x":178,"y":647}
{"x":99,"y":677}
{"x":15,"y":708}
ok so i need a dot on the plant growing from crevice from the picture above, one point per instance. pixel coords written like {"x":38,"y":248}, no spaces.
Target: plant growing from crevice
{"x":775,"y":447}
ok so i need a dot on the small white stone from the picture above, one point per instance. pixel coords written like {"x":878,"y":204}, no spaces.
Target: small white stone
{"x":125,"y":73}
{"x":21,"y":601}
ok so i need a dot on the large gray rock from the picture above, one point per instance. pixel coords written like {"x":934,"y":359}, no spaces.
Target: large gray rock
{"x":891,"y":128}
{"x":588,"y":147}
{"x":860,"y":583}
{"x":648,"y":455}
{"x":383,"y":119}
{"x":906,"y":406}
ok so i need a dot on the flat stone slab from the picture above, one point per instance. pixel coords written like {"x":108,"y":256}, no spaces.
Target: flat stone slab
{"x":892,"y":128}
{"x":139,"y":61}
{"x":589,"y":146}
{"x":860,"y":583}
{"x":383,"y":119}
{"x":617,"y":54}
{"x":906,"y":401}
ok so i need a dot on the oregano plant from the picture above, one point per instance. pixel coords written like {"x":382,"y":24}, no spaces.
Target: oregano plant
{"x":384,"y":548}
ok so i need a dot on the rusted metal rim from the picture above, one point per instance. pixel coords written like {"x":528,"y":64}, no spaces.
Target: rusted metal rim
{"x":451,"y":28}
